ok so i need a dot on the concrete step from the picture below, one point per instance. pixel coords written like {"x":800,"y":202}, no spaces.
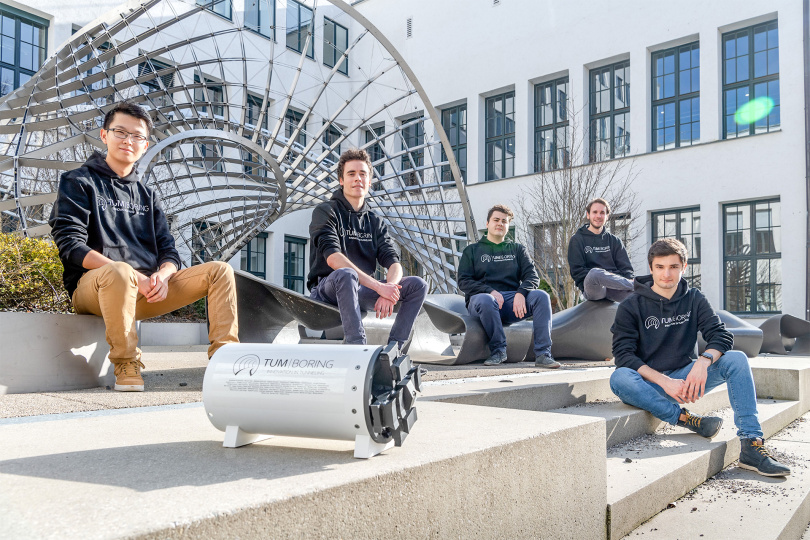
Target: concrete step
{"x":737,"y":503}
{"x":625,"y":422}
{"x":645,"y":474}
{"x":464,"y":471}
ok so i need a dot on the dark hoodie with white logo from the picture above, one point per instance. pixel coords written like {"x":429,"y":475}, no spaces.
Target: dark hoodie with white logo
{"x":661,"y":333}
{"x":486,"y":266}
{"x":587,"y":250}
{"x":121,"y":218}
{"x":360,"y":235}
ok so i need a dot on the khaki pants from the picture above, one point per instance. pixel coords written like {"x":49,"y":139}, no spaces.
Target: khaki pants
{"x":112,"y":293}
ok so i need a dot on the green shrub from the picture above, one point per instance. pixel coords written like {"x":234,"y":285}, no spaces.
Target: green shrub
{"x":31,"y":275}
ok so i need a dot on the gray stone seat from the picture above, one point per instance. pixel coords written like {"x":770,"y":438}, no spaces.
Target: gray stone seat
{"x":786,"y":334}
{"x":747,"y":337}
{"x":583,"y":331}
{"x":449,"y":315}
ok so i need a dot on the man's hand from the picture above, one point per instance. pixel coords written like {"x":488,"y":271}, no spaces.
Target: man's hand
{"x":144,"y":284}
{"x":519,"y":305}
{"x":695,"y":383}
{"x":159,"y":287}
{"x":674,"y":388}
{"x":384,"y":308}
{"x":498,"y":298}
{"x":389,"y":291}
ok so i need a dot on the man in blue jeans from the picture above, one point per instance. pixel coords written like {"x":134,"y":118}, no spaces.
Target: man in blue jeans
{"x":499,"y":283}
{"x":348,"y":240}
{"x":654,"y":337}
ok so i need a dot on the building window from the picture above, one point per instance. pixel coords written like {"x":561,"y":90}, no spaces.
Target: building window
{"x":208,"y":155}
{"x":610,"y":111}
{"x":254,"y":109}
{"x":23,"y":47}
{"x":454,"y":122}
{"x":413,"y":136}
{"x":751,"y":74}
{"x":684,"y":225}
{"x":294,"y":252}
{"x":209,"y":93}
{"x":299,"y":26}
{"x":330,"y":137}
{"x":752,"y":257}
{"x":254,"y":256}
{"x":676,"y":97}
{"x":375,"y":151}
{"x":159,"y":83}
{"x":335,"y":43}
{"x":260,"y":16}
{"x":291,"y":121}
{"x":220,"y":7}
{"x":500,"y":136}
{"x":205,"y":241}
{"x":552,"y":145}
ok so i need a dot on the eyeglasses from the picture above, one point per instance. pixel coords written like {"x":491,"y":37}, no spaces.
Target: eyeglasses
{"x":123,"y":135}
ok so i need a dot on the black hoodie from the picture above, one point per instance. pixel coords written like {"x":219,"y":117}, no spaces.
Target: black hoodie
{"x":661,"y":333}
{"x":361,"y":236}
{"x":587,"y":250}
{"x":486,"y":266}
{"x":121,"y":218}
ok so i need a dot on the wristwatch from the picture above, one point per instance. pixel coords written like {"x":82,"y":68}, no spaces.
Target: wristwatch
{"x":710,"y":357}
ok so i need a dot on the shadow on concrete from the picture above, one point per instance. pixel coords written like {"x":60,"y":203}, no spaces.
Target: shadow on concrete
{"x":153,"y":467}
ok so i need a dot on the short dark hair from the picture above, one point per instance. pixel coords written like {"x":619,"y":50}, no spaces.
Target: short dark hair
{"x":598,"y":200}
{"x":666,"y":247}
{"x":130,"y":109}
{"x":353,"y":154}
{"x":501,"y":208}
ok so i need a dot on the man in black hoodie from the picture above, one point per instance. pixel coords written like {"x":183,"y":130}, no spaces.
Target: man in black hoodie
{"x":119,"y":256}
{"x":598,"y":261}
{"x":654,"y":338}
{"x":348,"y":240}
{"x":499,"y":283}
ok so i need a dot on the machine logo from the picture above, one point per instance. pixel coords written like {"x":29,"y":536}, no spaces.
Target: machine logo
{"x":248,"y":362}
{"x":486,"y":258}
{"x":651,"y":321}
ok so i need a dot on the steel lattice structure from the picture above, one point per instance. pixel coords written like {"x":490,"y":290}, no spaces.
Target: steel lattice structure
{"x":247,"y":129}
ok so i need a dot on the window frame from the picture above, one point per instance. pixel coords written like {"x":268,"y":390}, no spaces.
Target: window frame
{"x":752,"y":257}
{"x":412,"y":131}
{"x":752,"y":81}
{"x":271,"y":35}
{"x":554,"y":126}
{"x":209,"y":88}
{"x":376,"y":151}
{"x":677,"y":97}
{"x":332,"y":49}
{"x":214,"y":5}
{"x":290,"y":278}
{"x":261,"y":254}
{"x":504,"y":138}
{"x":694,"y":280}
{"x":310,"y":53}
{"x":612,"y":113}
{"x":18,"y":71}
{"x":459,"y":128}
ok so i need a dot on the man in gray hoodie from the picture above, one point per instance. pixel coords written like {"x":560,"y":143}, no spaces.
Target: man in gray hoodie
{"x":119,"y":255}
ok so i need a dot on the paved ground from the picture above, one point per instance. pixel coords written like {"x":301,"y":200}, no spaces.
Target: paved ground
{"x":175,"y":374}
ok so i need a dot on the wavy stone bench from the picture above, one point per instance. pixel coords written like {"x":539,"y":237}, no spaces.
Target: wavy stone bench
{"x":747,"y":337}
{"x":464,"y":333}
{"x":786,"y":334}
{"x":583,"y":331}
{"x":49,"y":352}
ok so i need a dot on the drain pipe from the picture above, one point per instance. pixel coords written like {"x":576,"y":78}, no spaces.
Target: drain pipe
{"x":806,"y":33}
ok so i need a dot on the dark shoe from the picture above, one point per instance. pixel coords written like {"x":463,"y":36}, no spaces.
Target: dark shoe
{"x":546,"y":361}
{"x":496,"y":358}
{"x":755,"y":457}
{"x":705,"y":426}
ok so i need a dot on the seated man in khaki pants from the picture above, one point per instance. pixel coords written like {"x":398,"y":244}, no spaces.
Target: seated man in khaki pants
{"x":119,"y":256}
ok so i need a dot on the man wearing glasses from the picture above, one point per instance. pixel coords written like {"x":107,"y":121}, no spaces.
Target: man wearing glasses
{"x":119,"y":255}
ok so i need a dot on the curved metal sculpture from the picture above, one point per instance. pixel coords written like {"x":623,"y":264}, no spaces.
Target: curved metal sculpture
{"x":248,"y":128}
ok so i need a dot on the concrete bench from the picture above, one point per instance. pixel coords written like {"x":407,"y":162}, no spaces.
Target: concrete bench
{"x":449,"y":315}
{"x":747,"y":337}
{"x":50,"y":352}
{"x":786,"y":334}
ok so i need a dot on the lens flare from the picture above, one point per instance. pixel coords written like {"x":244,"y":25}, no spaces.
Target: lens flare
{"x":754,"y":110}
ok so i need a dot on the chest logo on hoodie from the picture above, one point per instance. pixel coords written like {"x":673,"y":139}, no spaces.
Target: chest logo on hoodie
{"x":597,"y":249}
{"x":655,"y":322}
{"x":485,"y":258}
{"x":121,"y":206}
{"x":351,"y":234}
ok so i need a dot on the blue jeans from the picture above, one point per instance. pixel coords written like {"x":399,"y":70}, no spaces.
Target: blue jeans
{"x":731,"y":368}
{"x":538,"y":306}
{"x":342,"y":288}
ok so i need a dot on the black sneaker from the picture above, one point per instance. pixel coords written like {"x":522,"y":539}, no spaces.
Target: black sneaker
{"x":755,"y":457}
{"x":496,"y":358}
{"x":546,"y":361}
{"x":705,"y":426}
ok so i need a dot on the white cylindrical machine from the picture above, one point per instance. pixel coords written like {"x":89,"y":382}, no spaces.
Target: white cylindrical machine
{"x":364,"y":393}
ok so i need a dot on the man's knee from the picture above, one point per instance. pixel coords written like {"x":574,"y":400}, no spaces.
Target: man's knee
{"x":734,"y":360}
{"x":624,"y":379}
{"x":538,"y":298}
{"x":483,"y":302}
{"x":219,"y":270}
{"x":415,"y":286}
{"x":118,"y":272}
